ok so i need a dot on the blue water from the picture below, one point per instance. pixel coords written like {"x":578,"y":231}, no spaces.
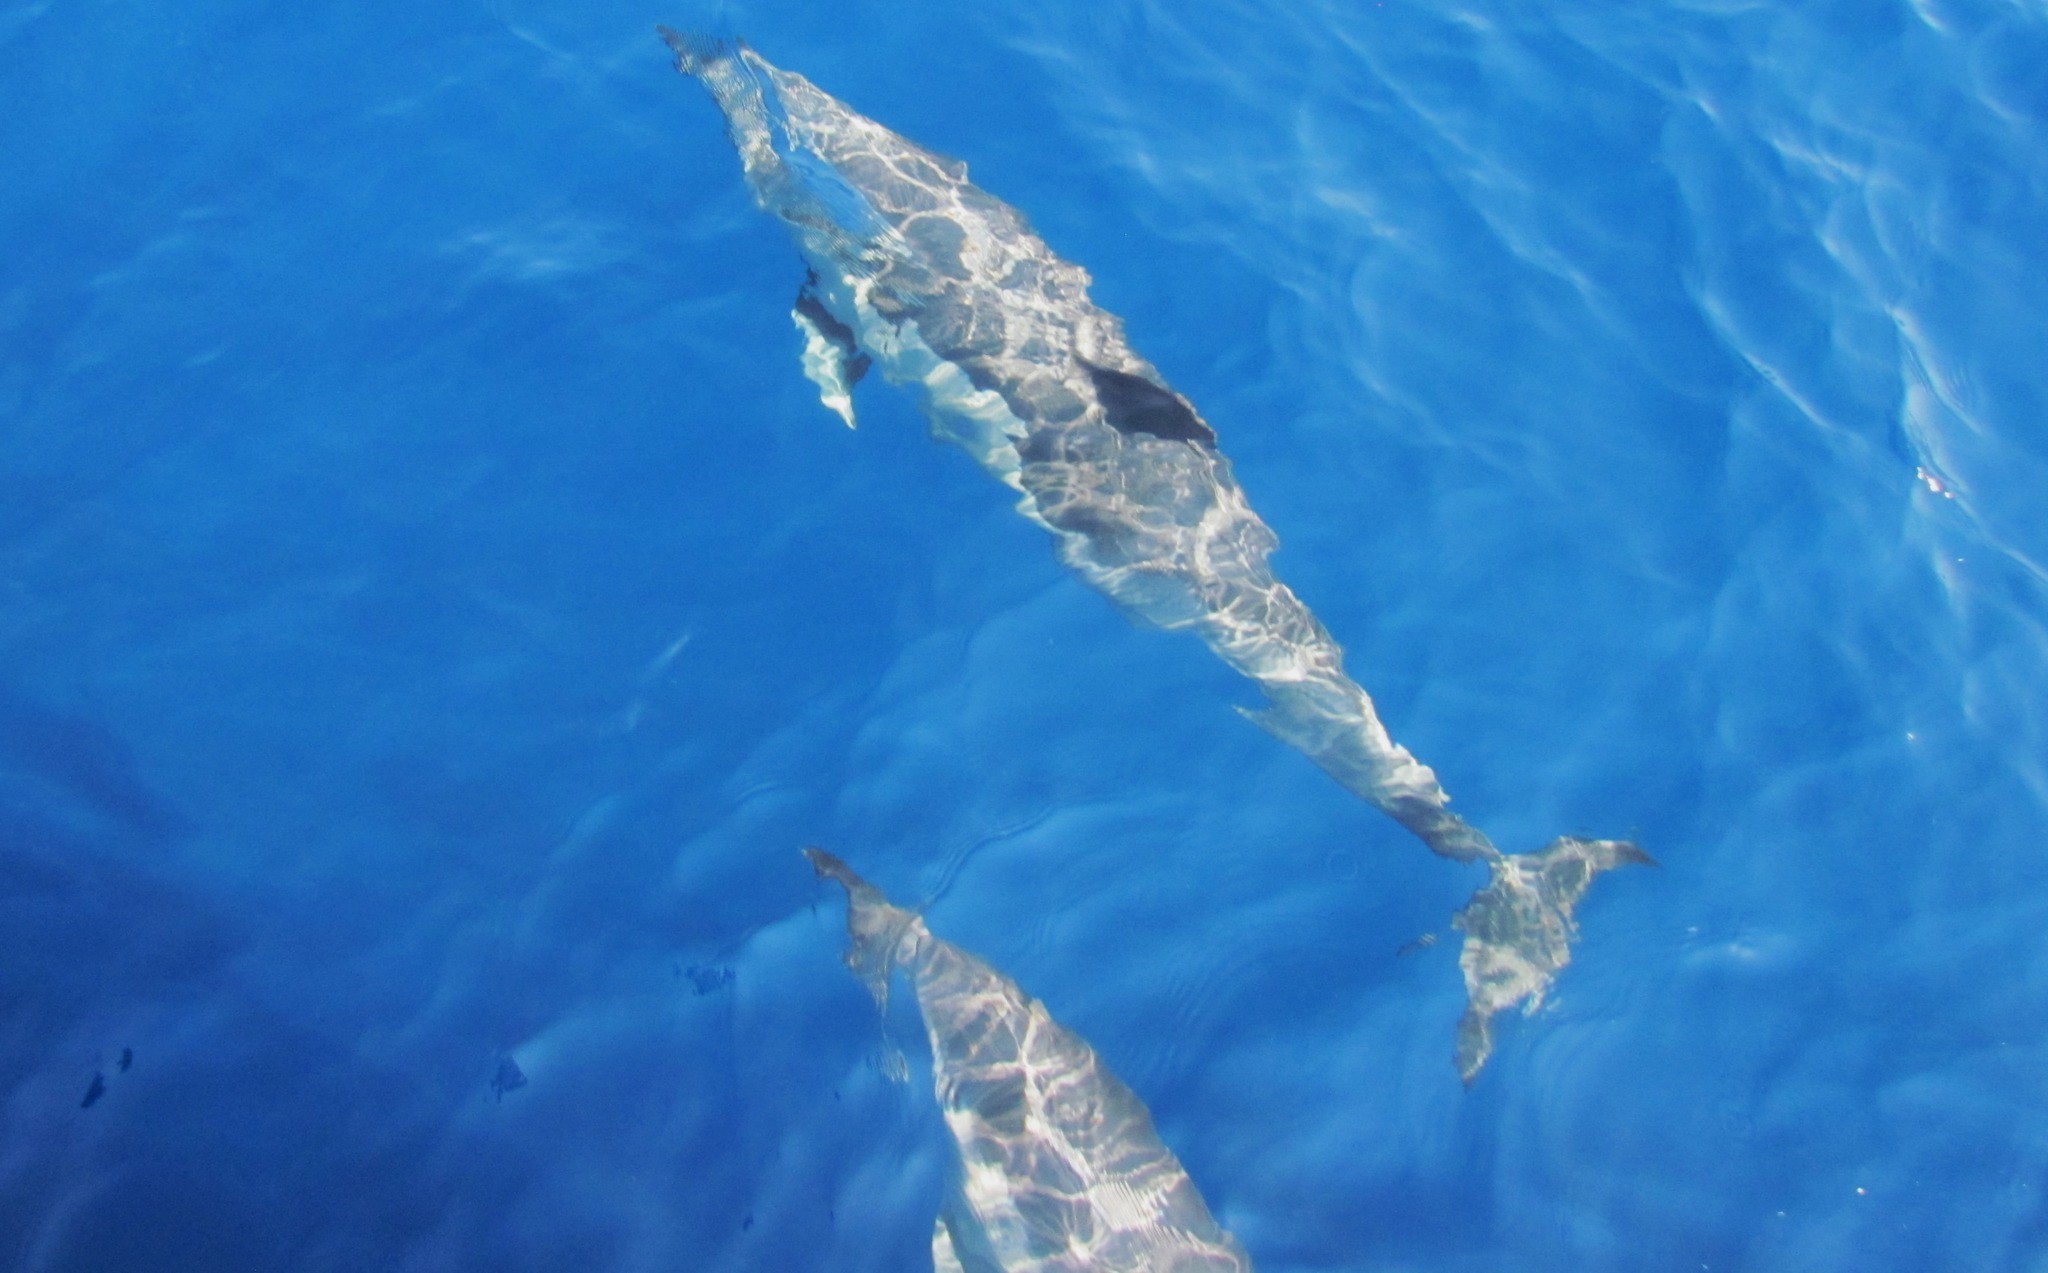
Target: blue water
{"x":434,"y":610}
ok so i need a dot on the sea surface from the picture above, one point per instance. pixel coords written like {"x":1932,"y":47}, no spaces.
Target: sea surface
{"x":434,"y":611}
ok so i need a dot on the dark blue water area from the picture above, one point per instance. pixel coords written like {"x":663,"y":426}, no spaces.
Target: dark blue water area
{"x":434,"y":611}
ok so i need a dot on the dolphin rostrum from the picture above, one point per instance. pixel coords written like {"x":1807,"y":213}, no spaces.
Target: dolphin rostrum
{"x":1059,"y":1168}
{"x":918,"y":272}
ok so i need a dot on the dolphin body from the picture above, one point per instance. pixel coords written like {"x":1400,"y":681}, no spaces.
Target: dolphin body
{"x":1059,"y":1169}
{"x":918,"y":272}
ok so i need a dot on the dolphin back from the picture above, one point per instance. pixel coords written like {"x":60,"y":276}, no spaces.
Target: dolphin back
{"x":1059,"y":1167}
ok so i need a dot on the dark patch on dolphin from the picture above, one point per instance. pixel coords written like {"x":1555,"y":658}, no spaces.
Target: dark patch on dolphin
{"x":1134,"y":404}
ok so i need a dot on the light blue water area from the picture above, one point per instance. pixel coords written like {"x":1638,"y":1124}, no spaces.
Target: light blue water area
{"x":434,"y":610}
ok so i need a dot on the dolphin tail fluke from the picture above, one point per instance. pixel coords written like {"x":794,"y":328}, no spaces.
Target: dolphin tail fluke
{"x":1519,"y":929}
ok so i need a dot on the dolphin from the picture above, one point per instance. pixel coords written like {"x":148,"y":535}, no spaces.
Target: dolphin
{"x":916,"y":271}
{"x":1058,"y":1169}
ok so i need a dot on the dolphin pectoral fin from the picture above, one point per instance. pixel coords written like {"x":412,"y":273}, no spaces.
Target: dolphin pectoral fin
{"x":1519,"y":929}
{"x":958,"y":1243}
{"x":944,"y":1258}
{"x":831,"y":359}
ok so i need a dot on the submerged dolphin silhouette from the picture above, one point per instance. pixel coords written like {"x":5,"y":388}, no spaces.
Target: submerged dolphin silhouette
{"x":1059,"y":1167}
{"x":942,"y":286}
